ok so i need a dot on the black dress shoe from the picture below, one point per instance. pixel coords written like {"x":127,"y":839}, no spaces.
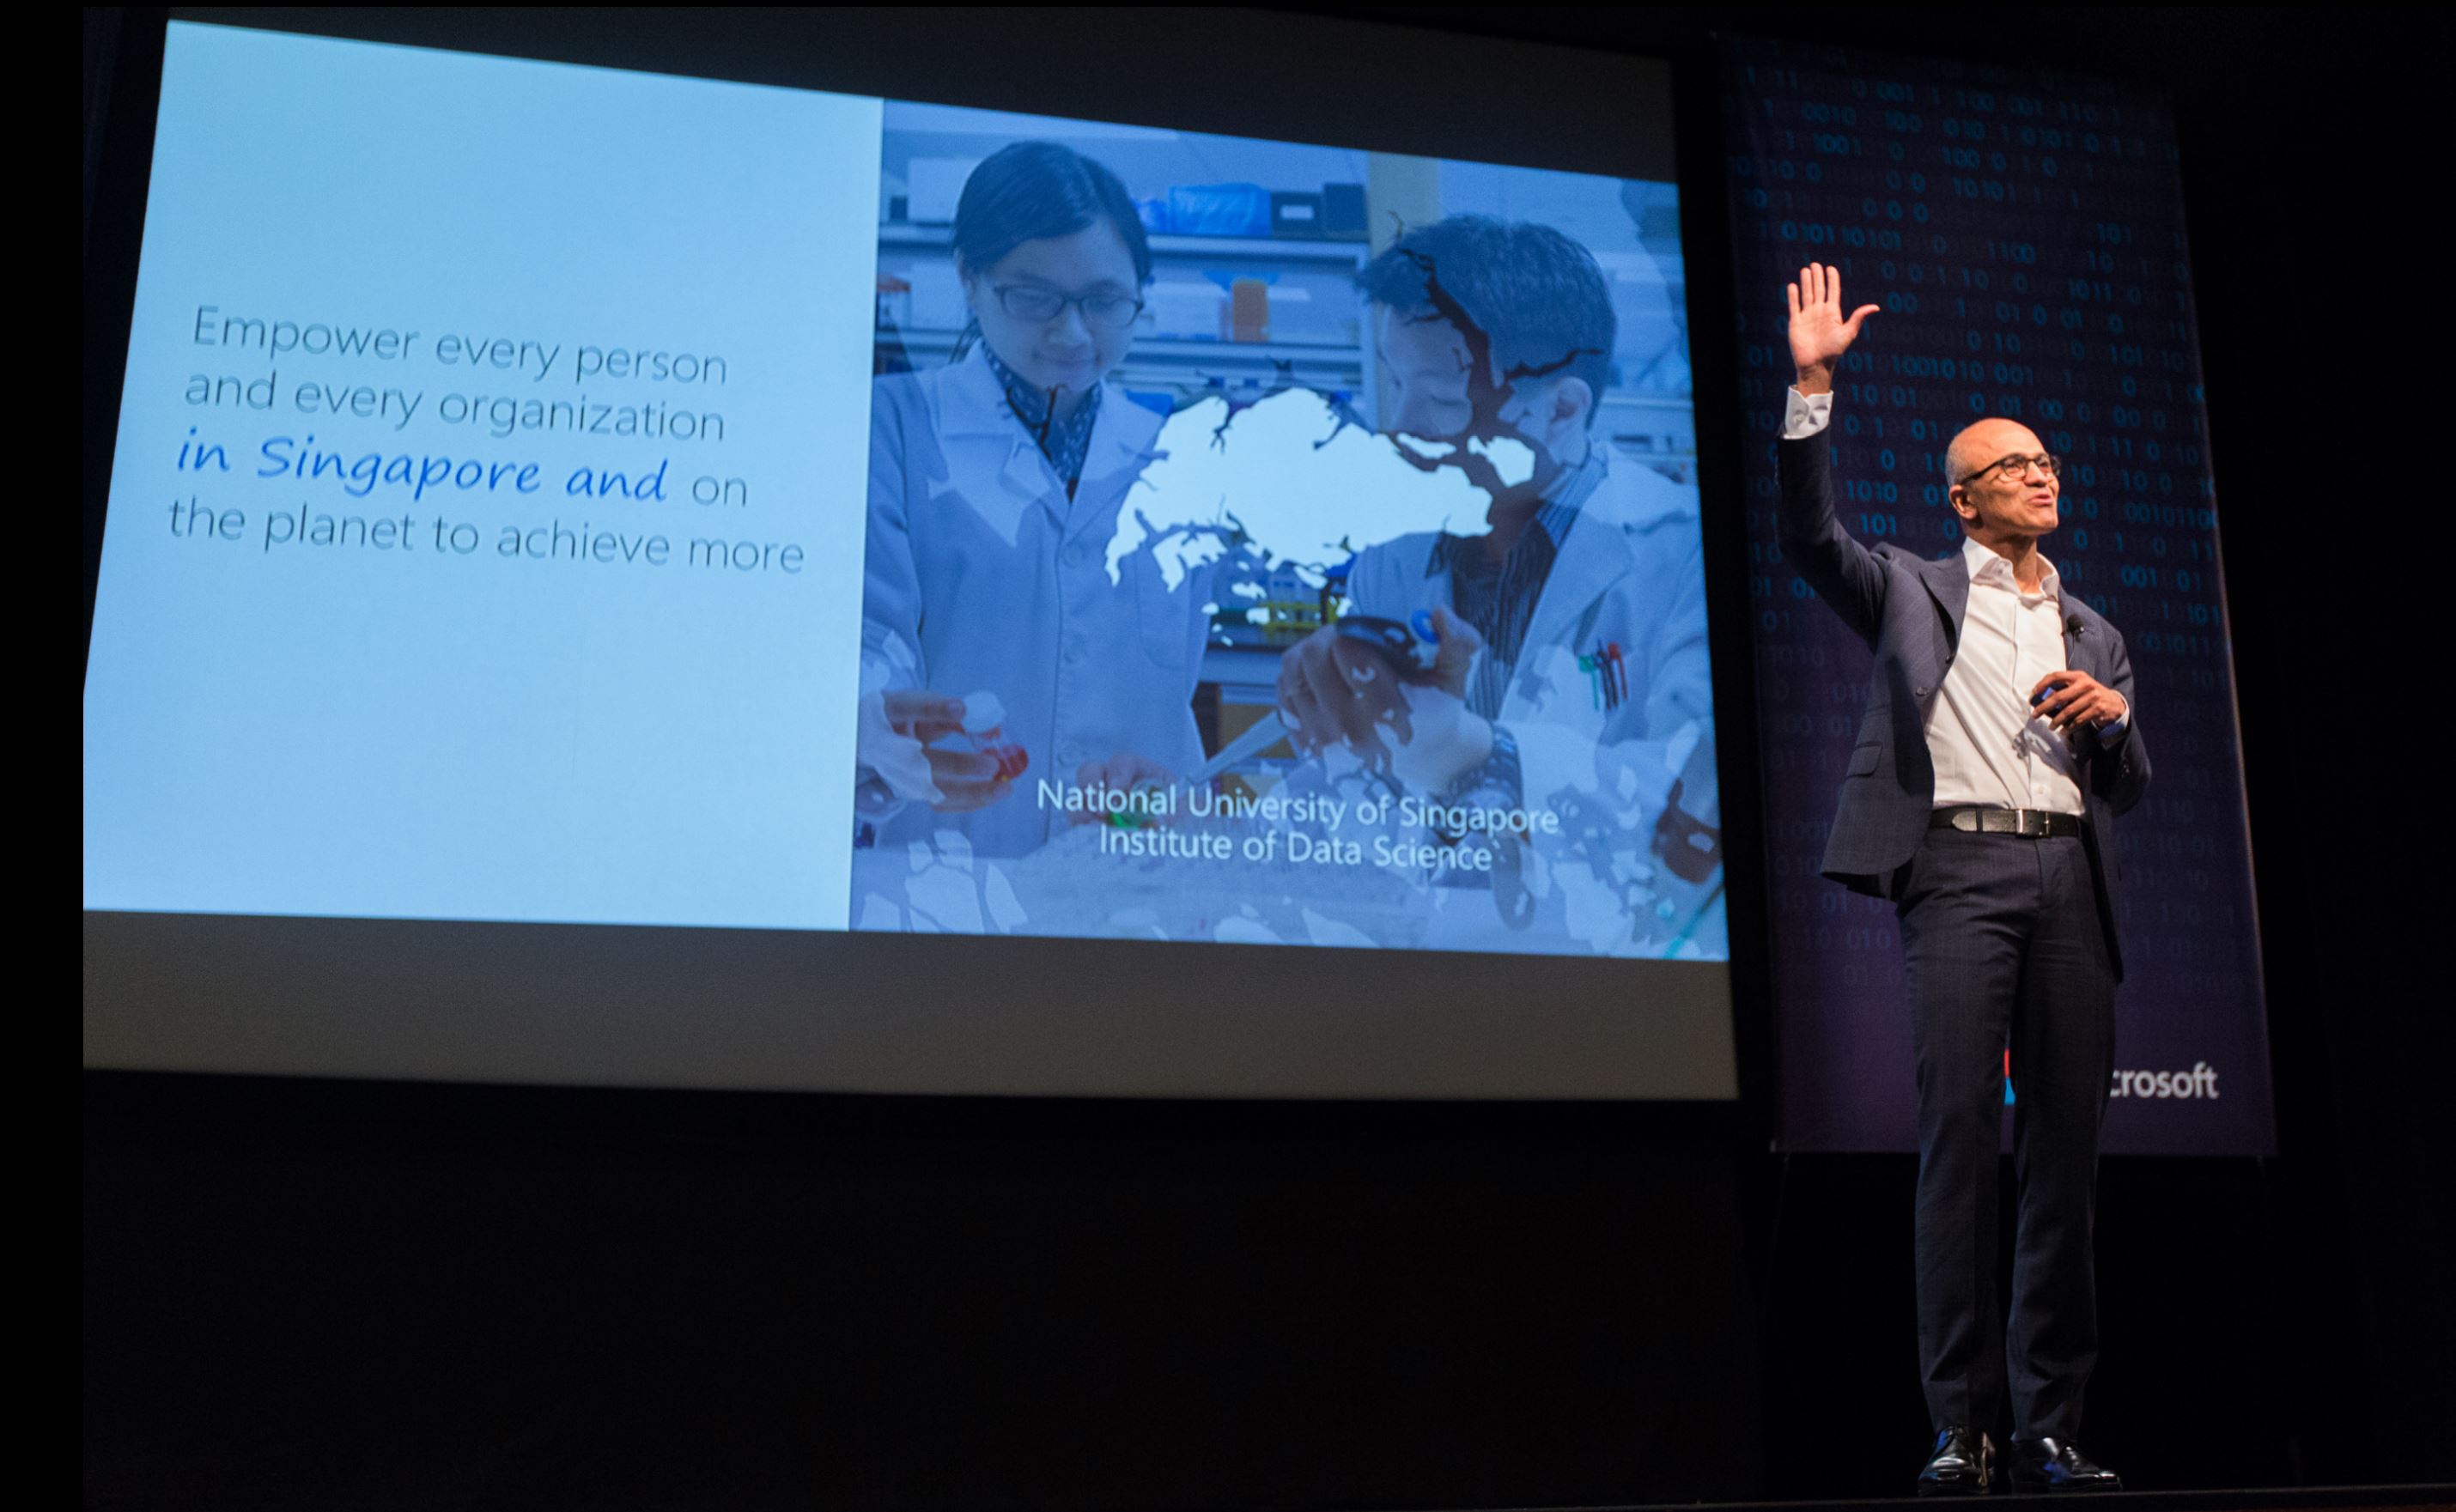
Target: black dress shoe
{"x":1963,"y":1464}
{"x":2058,"y":1464}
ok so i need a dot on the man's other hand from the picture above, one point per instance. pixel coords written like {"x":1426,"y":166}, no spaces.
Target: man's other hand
{"x":1455,"y":643}
{"x":2068,"y":698}
{"x":1333,"y":691}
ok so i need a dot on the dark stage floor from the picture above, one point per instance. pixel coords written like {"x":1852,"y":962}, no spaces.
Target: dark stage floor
{"x":2307,"y":1499}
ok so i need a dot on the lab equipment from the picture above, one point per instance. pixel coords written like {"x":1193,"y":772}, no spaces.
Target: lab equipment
{"x":1409,"y":648}
{"x":1342,"y":212}
{"x":984,"y":721}
{"x":1185,"y":309}
{"x":1297,"y":215}
{"x":1249,"y":311}
{"x":1266,"y":732}
{"x":1220,"y":209}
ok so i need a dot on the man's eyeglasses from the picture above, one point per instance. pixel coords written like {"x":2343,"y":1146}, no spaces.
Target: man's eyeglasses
{"x":1103,"y":312}
{"x":2015,"y":465}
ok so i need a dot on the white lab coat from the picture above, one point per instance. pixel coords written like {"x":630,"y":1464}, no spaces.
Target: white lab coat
{"x":1631,"y":571}
{"x":982,"y":575}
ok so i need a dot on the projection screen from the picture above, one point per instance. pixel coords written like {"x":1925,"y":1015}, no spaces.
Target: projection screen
{"x":772,"y":562}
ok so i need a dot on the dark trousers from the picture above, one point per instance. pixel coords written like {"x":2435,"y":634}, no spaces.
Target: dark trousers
{"x":2002,"y":945}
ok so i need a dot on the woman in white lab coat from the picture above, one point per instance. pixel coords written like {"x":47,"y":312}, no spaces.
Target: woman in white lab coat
{"x":995,"y":484}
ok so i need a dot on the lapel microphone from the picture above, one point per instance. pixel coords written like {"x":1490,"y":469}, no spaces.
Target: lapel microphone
{"x":2073,"y":626}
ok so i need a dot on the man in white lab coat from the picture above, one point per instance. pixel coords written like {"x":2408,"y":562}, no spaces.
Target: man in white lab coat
{"x":1575,"y":677}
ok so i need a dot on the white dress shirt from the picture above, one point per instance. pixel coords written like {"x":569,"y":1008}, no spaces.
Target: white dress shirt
{"x":1987,"y":744}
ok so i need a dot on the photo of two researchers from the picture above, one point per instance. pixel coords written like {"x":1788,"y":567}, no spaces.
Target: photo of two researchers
{"x":1280,"y":543}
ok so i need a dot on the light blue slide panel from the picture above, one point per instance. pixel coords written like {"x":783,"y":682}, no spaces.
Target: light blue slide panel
{"x":598,"y":666}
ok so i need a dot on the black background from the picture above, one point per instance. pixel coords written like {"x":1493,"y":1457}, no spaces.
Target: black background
{"x":2000,"y":250}
{"x":342,"y":1295}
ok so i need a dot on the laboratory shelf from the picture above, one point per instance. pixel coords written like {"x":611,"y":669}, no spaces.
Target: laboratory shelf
{"x":1178,"y":349}
{"x":1270,"y":249}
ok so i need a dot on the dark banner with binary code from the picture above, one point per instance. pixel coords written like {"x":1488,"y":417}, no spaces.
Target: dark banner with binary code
{"x":2023,"y":235}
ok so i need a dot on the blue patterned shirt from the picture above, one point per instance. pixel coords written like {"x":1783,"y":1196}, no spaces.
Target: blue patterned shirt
{"x":1064,"y":442}
{"x":1499,"y":598}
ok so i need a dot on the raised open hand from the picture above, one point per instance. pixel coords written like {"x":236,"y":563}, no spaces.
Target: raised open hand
{"x":1819,"y":335}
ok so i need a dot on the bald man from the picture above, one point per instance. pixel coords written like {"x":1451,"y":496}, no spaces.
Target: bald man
{"x":1999,"y":746}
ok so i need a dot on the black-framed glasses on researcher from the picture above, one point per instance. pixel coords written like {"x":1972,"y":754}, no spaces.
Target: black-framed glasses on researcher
{"x":2015,"y":465}
{"x":1106,"y":311}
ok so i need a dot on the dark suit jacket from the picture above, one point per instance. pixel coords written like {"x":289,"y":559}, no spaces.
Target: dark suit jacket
{"x":1910,"y":610}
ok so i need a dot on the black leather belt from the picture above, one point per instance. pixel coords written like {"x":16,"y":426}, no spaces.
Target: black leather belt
{"x":1971,"y":819}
